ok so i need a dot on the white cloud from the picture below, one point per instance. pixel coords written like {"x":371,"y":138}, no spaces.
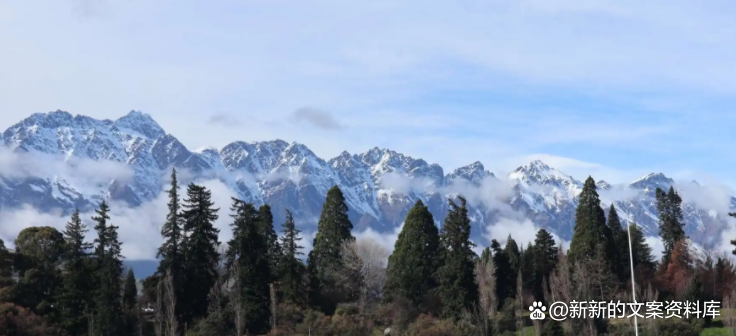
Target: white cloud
{"x":655,"y":242}
{"x":522,"y":231}
{"x":139,"y":227}
{"x":24,"y":164}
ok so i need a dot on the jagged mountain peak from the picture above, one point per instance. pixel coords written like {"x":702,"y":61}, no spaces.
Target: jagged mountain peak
{"x":141,"y":123}
{"x":603,"y":185}
{"x":474,"y":173}
{"x":652,"y":181}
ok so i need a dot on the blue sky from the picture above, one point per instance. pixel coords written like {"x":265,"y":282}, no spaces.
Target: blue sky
{"x":616,"y":89}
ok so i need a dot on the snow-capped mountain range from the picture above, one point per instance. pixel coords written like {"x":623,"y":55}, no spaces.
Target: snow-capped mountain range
{"x":57,"y":161}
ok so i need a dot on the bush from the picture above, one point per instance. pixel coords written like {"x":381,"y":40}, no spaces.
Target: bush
{"x":19,"y":321}
{"x":347,"y":309}
{"x":427,"y":325}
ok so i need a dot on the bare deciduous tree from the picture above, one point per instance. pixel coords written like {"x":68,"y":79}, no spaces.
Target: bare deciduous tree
{"x":487,"y":301}
{"x":560,"y":284}
{"x":728,"y":312}
{"x":158,"y":312}
{"x":172,"y":324}
{"x":363,"y":269}
{"x":237,"y":301}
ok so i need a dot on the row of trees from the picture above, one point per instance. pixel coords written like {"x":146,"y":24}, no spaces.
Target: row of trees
{"x":58,"y":283}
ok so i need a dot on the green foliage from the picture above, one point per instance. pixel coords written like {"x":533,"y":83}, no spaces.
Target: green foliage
{"x":620,"y":263}
{"x":457,"y":287}
{"x":544,"y":259}
{"x":412,"y":267}
{"x":671,"y":222}
{"x":130,"y":302}
{"x":201,"y":258}
{"x":590,"y":226}
{"x":265,"y":225}
{"x":75,"y":302}
{"x":552,"y":328}
{"x":290,"y":268}
{"x":108,"y":312}
{"x":504,"y":274}
{"x":248,"y":256}
{"x":38,"y":253}
{"x":333,"y":229}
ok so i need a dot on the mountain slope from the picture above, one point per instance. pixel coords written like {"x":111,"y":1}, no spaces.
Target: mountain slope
{"x":59,"y":161}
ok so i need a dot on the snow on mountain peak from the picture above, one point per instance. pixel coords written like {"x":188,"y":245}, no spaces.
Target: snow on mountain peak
{"x":652,"y":181}
{"x":141,"y":123}
{"x":474,"y":173}
{"x":603,"y":185}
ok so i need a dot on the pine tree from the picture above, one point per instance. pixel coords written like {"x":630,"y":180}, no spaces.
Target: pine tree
{"x":170,"y":253}
{"x":641,"y":251}
{"x":130,"y":302}
{"x":265,"y":225}
{"x":544,"y":259}
{"x":291,"y":269}
{"x":130,"y":291}
{"x":457,"y":286}
{"x":200,"y":251}
{"x":248,"y":251}
{"x":333,"y":229}
{"x":620,"y":264}
{"x":109,"y":270}
{"x":505,"y":288}
{"x":733,"y":241}
{"x":512,"y":250}
{"x":75,"y":302}
{"x":671,"y":223}
{"x":413,"y":264}
{"x":6,"y":268}
{"x":590,"y":226}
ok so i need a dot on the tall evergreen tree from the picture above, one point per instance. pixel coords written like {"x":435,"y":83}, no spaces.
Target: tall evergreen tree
{"x":505,"y":288}
{"x":544,"y":260}
{"x":620,"y":263}
{"x":109,"y":270}
{"x":512,"y":250}
{"x":457,"y":286}
{"x":412,"y":267}
{"x":265,"y":225}
{"x":590,"y":226}
{"x":75,"y":302}
{"x":641,"y":252}
{"x":248,"y":250}
{"x":671,"y":222}
{"x":333,"y":229}
{"x":290,"y":268}
{"x":200,"y":251}
{"x":130,"y":303}
{"x":170,"y":254}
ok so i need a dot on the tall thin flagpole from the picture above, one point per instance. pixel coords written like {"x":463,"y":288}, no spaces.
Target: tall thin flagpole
{"x":633,"y":286}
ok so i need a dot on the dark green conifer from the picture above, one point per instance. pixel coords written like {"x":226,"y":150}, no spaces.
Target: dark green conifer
{"x":75,"y":302}
{"x":333,"y":229}
{"x":248,"y":254}
{"x":412,"y":267}
{"x":641,"y":252}
{"x":590,"y":226}
{"x":200,"y":251}
{"x":620,"y":264}
{"x":265,"y":225}
{"x":504,"y":283}
{"x":544,"y":260}
{"x":671,"y":223}
{"x":291,"y":269}
{"x":130,"y":302}
{"x":457,"y":287}
{"x":108,"y":313}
